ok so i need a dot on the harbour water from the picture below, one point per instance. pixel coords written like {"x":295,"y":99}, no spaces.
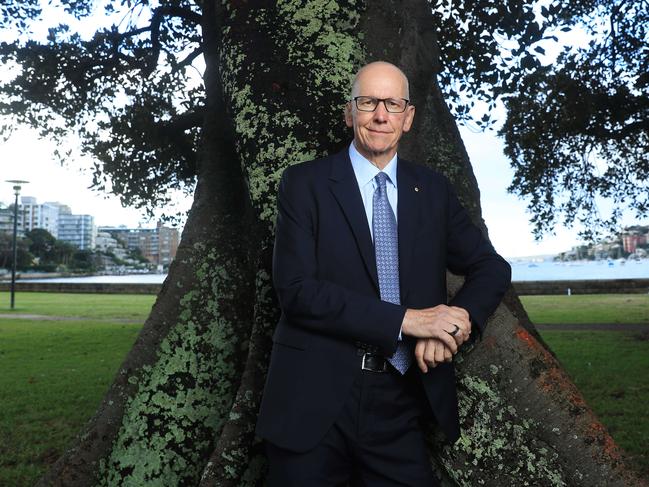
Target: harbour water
{"x":522,"y":270}
{"x":121,"y":279}
{"x":548,"y":270}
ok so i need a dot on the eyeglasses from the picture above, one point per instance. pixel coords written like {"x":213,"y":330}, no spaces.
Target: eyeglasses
{"x":392,"y":105}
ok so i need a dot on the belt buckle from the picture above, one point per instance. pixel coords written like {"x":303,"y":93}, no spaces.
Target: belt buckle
{"x":363,"y":367}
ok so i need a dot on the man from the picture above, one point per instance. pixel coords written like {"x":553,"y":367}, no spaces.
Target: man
{"x":363,"y":350}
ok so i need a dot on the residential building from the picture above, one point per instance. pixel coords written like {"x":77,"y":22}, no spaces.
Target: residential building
{"x":168,"y":240}
{"x":7,"y":220}
{"x":32,"y":215}
{"x":158,"y":245}
{"x":57,"y":219}
{"x":106,"y":243}
{"x":78,"y":230}
{"x":632,"y":239}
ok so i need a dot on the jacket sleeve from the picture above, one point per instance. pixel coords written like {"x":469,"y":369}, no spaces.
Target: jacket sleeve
{"x":315,"y":304}
{"x":469,"y":253}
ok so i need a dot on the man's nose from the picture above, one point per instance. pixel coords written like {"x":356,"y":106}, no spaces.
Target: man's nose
{"x":380,"y":113}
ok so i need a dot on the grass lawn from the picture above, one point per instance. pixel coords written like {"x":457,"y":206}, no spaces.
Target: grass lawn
{"x":588,"y":308}
{"x":56,"y":372}
{"x":104,"y":306}
{"x":611,"y":369}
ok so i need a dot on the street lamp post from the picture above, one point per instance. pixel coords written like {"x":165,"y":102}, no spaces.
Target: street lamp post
{"x":17,"y":185}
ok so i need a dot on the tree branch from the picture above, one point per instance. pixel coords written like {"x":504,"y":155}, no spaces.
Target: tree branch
{"x":183,"y":13}
{"x":131,"y":33}
{"x":149,"y":64}
{"x":189,"y":59}
{"x":624,"y":132}
{"x":158,"y":15}
{"x":183,"y":122}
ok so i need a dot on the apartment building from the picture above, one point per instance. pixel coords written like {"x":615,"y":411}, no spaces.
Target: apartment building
{"x":32,"y":215}
{"x":158,"y":245}
{"x":7,"y":220}
{"x":78,"y":230}
{"x":56,"y":218}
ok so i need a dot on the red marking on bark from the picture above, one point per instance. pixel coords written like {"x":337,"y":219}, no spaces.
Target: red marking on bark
{"x":526,"y":338}
{"x":597,"y":433}
{"x":276,"y":87}
{"x":555,"y":381}
{"x":552,"y":379}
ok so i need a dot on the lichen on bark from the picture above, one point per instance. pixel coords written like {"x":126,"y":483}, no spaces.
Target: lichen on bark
{"x":277,"y":77}
{"x":185,"y":396}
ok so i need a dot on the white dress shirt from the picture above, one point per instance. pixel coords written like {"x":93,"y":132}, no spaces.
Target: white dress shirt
{"x":365,"y":173}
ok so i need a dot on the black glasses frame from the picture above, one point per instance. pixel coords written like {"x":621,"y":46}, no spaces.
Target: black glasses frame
{"x":376,"y":103}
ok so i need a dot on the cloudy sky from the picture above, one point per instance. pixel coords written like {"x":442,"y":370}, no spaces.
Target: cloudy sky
{"x":24,"y":156}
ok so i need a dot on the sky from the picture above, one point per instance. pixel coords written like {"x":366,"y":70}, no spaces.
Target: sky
{"x":505,"y":214}
{"x":25,"y":156}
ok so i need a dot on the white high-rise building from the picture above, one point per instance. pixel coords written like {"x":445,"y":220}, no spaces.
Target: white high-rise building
{"x":7,"y":220}
{"x":50,"y":218}
{"x":56,"y":218}
{"x":33,"y":215}
{"x":79,"y":230}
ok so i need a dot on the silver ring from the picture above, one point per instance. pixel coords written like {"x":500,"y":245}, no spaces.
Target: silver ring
{"x":454,"y":332}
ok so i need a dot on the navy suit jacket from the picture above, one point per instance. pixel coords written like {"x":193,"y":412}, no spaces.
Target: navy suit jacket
{"x":324,"y":273}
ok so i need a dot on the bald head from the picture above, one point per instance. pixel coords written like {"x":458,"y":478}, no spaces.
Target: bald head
{"x":380,"y":121}
{"x":380,"y":69}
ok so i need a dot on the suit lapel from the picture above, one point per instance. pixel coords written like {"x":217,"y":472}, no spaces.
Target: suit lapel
{"x":344,"y":187}
{"x":408,"y":211}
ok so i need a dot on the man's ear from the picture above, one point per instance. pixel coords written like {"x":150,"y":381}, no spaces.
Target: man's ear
{"x":410,"y":116}
{"x":349,"y":121}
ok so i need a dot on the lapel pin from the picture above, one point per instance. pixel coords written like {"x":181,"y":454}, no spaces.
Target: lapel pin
{"x":417,"y":188}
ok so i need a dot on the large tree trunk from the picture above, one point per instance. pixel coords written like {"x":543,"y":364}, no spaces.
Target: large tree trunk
{"x":183,"y":405}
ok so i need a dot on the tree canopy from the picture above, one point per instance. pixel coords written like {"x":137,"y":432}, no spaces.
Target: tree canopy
{"x":23,"y":257}
{"x":182,"y":407}
{"x":41,"y":243}
{"x":576,"y":129}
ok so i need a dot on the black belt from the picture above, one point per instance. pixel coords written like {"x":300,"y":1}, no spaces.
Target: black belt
{"x":370,"y":358}
{"x":374,"y":363}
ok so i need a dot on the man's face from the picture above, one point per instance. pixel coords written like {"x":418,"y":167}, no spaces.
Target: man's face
{"x":377,"y":133}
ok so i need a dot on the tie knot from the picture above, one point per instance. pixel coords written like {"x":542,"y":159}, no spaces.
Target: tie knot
{"x":381,"y":179}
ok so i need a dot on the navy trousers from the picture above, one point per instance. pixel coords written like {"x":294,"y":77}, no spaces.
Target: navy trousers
{"x":377,"y":440}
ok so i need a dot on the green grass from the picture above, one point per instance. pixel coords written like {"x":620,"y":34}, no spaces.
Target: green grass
{"x":54,"y":373}
{"x":611,"y":369}
{"x":111,"y":306}
{"x":588,"y":308}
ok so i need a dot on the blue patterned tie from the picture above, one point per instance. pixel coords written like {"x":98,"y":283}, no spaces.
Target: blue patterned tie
{"x":386,"y":247}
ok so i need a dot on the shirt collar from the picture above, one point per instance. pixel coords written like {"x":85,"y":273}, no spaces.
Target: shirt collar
{"x":365,"y":171}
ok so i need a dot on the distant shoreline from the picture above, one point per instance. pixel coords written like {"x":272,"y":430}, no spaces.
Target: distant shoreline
{"x":551,"y":258}
{"x":547,"y":287}
{"x":523,"y":270}
{"x":135,"y":277}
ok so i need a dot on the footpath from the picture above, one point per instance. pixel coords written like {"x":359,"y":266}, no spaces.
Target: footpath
{"x":22,"y":316}
{"x":593,"y":326}
{"x":539,"y":326}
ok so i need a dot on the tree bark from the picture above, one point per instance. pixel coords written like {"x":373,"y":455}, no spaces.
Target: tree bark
{"x":183,"y":405}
